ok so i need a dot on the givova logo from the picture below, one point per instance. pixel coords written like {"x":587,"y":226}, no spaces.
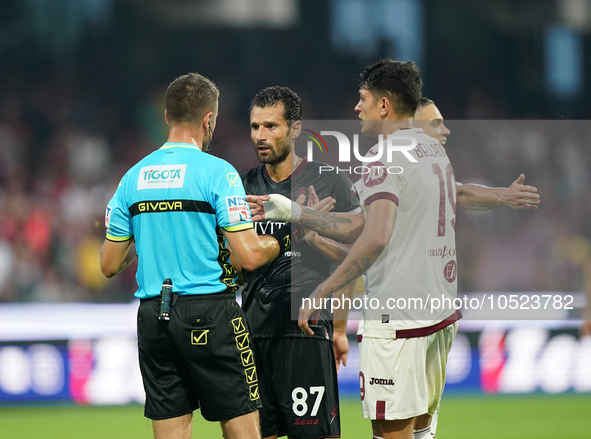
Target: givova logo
{"x":161,"y":177}
{"x":238,"y":210}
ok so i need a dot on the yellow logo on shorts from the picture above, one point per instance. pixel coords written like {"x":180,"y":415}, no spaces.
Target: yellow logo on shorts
{"x":199,"y":337}
{"x":242,"y":341}
{"x":251,"y":375}
{"x":247,"y":358}
{"x":238,"y":325}
{"x":254,"y":392}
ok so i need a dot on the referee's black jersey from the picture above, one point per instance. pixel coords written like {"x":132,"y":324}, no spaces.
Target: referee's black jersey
{"x":273,"y":293}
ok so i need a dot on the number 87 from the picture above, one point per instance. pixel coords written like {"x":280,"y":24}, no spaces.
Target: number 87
{"x":300,"y":396}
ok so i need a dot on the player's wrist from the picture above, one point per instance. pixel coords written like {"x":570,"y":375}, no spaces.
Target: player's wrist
{"x":311,"y":237}
{"x":296,"y":212}
{"x":280,"y":208}
{"x":283,"y":237}
{"x":502,"y":195}
{"x":339,"y":331}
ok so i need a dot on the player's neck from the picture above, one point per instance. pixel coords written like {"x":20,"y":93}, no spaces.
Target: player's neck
{"x":393,"y":125}
{"x":183,"y":134}
{"x":281,"y":171}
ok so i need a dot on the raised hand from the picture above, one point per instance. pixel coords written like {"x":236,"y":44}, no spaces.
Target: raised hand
{"x":519,"y":196}
{"x":324,"y":205}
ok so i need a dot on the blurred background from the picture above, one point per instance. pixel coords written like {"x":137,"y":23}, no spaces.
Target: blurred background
{"x":82,"y":87}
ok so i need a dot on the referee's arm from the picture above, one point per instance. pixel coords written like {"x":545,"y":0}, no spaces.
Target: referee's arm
{"x":116,"y":255}
{"x":251,"y":250}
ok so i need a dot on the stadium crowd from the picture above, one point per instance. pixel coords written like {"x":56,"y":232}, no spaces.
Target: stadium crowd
{"x":63,"y":151}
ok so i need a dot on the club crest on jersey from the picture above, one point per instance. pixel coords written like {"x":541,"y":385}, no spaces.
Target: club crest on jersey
{"x":161,"y":177}
{"x":376,"y":174}
{"x":238,"y":210}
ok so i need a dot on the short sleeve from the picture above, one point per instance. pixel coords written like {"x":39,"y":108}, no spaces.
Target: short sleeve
{"x":117,"y":217}
{"x":347,"y":199}
{"x":379,"y":184}
{"x":231,"y":208}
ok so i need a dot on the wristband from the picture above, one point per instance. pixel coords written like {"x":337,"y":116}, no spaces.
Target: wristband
{"x":283,"y":237}
{"x":296,"y":212}
{"x":280,"y":208}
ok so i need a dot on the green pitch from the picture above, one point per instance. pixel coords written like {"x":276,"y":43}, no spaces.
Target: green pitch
{"x":471,"y":417}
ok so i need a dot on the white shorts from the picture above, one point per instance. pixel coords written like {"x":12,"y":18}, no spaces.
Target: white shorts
{"x":403,"y":378}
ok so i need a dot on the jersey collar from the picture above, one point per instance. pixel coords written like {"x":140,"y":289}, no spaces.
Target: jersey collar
{"x":181,"y":145}
{"x":300,"y":168}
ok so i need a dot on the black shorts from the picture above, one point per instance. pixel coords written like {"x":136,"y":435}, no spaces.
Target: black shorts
{"x":200,"y":358}
{"x":298,"y":385}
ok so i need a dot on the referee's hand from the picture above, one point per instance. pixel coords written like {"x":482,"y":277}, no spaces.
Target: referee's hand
{"x":255,"y":204}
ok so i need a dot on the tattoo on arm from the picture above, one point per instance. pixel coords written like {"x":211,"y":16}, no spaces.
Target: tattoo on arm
{"x":322,"y":221}
{"x":361,"y":267}
{"x":351,"y":274}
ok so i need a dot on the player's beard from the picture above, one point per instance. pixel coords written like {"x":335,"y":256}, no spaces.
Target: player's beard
{"x":276,"y":154}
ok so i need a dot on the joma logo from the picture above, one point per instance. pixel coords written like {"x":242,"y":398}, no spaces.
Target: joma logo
{"x":381,"y":381}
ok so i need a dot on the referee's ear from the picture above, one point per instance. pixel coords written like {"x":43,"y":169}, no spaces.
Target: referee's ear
{"x":296,"y":129}
{"x":206,"y":123}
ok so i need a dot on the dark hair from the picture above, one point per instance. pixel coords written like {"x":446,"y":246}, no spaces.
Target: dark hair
{"x":270,"y":96}
{"x":399,"y":81}
{"x":190,"y":97}
{"x":424,"y":102}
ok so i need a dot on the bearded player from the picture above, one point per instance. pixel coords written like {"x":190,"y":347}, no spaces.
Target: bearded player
{"x":297,"y":374}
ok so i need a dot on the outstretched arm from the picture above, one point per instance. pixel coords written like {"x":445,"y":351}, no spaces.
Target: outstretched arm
{"x":336,"y":253}
{"x":329,"y":248}
{"x":344,"y":226}
{"x":517,"y":196}
{"x":332,"y":250}
{"x":376,"y":235}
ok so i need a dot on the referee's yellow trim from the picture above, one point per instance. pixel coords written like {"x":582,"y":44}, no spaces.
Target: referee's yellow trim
{"x":118,"y":238}
{"x":239,"y":227}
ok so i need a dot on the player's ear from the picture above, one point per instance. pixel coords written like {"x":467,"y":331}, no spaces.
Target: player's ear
{"x":385,"y":106}
{"x":166,"y":117}
{"x":296,"y":128}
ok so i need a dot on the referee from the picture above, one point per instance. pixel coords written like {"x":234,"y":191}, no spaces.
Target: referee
{"x":181,"y":207}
